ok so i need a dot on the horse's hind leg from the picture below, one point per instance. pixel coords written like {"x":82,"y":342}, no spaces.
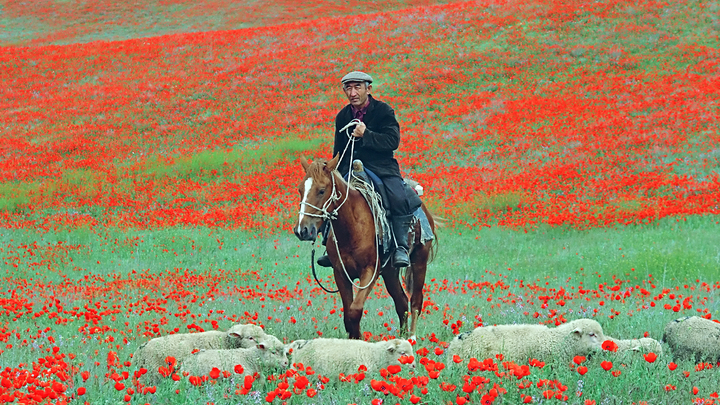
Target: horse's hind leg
{"x":391,"y":277}
{"x":419,"y":259}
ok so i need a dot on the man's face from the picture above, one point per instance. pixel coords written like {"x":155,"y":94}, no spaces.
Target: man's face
{"x":357,"y":93}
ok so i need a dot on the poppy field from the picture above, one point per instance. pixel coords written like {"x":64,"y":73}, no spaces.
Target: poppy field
{"x":149,"y":173}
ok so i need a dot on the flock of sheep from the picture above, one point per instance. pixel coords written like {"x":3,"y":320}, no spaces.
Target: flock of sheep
{"x":247,"y":349}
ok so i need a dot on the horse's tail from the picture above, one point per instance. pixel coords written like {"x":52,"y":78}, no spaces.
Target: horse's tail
{"x":408,"y":278}
{"x":435,"y":223}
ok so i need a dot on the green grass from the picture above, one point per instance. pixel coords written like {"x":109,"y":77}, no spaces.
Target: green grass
{"x":236,"y":271}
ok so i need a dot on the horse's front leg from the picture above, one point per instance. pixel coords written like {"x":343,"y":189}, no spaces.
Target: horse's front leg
{"x":346,"y":293}
{"x":354,"y":313}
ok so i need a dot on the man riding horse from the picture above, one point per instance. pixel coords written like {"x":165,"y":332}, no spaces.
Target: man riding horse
{"x":377,"y":137}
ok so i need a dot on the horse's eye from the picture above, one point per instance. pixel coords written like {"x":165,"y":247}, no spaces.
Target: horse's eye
{"x":321,"y":191}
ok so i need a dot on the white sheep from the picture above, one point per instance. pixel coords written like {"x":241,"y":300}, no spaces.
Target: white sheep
{"x":645,"y":345}
{"x":521,"y":342}
{"x":693,"y":338}
{"x":330,"y":357}
{"x":266,"y":355}
{"x":152,"y":354}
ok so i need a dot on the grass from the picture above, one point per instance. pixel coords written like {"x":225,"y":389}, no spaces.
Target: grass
{"x":494,"y":275}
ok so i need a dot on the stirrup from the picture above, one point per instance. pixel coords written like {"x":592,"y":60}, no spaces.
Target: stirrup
{"x":324,"y":261}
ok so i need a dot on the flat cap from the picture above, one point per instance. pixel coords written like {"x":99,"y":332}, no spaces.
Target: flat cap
{"x":356,"y":76}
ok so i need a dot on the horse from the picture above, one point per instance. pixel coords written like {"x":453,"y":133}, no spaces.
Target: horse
{"x":352,"y":247}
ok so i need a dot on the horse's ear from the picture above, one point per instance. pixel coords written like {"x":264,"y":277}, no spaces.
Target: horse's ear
{"x":304,"y":163}
{"x":332,"y":164}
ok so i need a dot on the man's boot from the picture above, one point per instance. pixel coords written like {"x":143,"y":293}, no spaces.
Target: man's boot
{"x":400,"y":228}
{"x":324,"y":260}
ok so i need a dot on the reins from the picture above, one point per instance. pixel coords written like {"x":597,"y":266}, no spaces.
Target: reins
{"x":312,"y":264}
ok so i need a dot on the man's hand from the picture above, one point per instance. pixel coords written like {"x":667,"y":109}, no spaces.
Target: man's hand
{"x":359,"y":130}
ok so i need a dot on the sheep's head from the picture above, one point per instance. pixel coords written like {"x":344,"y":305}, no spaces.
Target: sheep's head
{"x":294,"y":346}
{"x":397,"y":348}
{"x":273,"y":352}
{"x":245,"y":336}
{"x":463,"y":335}
{"x":587,"y":334}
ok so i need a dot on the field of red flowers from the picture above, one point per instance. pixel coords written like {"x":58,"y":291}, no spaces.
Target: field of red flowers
{"x":149,"y":164}
{"x":515,"y":114}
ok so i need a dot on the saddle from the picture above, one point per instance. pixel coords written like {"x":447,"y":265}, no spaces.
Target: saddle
{"x":373,"y":190}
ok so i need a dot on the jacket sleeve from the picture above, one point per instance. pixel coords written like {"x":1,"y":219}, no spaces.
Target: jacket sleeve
{"x":386,"y":135}
{"x":337,"y":147}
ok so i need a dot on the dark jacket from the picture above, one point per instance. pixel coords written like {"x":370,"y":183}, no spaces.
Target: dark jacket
{"x":376,"y":147}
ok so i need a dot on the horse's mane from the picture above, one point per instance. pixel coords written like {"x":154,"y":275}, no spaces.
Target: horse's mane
{"x":317,"y":168}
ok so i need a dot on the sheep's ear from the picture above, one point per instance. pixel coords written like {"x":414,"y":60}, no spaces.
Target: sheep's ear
{"x":235,"y":335}
{"x":392,"y":347}
{"x":577,"y":332}
{"x":260,"y":346}
{"x":304,"y":163}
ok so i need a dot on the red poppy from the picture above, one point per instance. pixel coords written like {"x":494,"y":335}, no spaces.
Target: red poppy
{"x":610,"y":346}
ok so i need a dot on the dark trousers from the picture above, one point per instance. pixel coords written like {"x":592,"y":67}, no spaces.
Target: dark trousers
{"x":398,"y":197}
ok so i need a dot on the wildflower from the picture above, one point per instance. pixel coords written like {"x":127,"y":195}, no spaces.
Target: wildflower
{"x":394,"y":369}
{"x":606,"y":365}
{"x":650,"y":357}
{"x":610,"y":346}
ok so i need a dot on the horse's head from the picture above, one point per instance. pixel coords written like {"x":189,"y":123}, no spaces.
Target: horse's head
{"x":315,"y":190}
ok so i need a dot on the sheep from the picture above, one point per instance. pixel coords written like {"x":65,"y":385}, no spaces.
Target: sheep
{"x":268,"y":354}
{"x":152,"y":354}
{"x":637,"y":345}
{"x":330,"y":357}
{"x":521,"y":342}
{"x":693,"y":338}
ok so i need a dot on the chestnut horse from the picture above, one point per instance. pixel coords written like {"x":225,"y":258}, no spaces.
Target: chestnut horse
{"x":352,"y":246}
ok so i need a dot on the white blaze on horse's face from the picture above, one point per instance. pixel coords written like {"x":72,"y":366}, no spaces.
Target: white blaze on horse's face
{"x":308,"y":186}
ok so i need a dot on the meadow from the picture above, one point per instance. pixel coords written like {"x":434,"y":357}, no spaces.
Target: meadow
{"x":149,"y":172}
